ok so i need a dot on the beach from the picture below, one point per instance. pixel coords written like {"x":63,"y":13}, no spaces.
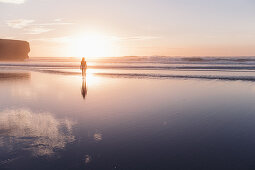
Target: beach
{"x":128,"y":113}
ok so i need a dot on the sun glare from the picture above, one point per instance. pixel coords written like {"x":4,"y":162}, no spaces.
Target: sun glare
{"x":92,"y":45}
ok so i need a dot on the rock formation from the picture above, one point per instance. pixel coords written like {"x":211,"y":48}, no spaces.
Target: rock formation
{"x":14,"y":49}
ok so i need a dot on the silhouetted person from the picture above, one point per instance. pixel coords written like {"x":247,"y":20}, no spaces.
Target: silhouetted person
{"x":83,"y":66}
{"x":84,"y":89}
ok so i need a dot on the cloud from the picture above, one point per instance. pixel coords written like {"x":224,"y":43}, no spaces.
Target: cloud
{"x":19,"y":23}
{"x":7,"y":37}
{"x":35,"y":28}
{"x":13,"y":1}
{"x":58,"y":19}
{"x":66,"y":39}
{"x":138,"y":38}
{"x":53,"y":24}
{"x":53,"y":40}
{"x":38,"y":30}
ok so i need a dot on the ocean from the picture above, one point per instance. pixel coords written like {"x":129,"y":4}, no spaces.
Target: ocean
{"x":128,"y":113}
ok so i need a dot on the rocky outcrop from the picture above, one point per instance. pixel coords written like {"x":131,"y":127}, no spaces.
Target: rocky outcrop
{"x":14,"y":49}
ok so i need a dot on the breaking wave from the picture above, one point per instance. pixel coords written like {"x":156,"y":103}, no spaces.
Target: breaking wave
{"x":238,"y":68}
{"x":159,"y":76}
{"x":166,"y":76}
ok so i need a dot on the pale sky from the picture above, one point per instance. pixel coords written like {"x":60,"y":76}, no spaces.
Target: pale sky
{"x":131,"y":27}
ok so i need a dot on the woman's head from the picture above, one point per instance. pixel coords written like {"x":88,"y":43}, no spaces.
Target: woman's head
{"x":83,"y":59}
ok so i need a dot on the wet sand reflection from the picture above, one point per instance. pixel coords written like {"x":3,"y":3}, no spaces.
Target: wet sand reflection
{"x":39,"y":133}
{"x":12,"y":76}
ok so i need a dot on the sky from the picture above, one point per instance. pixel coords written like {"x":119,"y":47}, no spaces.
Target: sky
{"x":97,"y":28}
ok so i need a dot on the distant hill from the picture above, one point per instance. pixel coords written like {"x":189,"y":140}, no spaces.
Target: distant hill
{"x":14,"y":49}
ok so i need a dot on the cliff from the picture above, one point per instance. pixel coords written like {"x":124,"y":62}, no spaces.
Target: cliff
{"x":14,"y":49}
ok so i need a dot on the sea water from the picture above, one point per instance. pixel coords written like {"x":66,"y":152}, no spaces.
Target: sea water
{"x":128,"y":113}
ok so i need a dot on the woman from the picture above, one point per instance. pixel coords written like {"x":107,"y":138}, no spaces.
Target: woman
{"x":83,"y":66}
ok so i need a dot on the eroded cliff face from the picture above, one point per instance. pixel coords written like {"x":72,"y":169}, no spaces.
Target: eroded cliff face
{"x":14,"y":49}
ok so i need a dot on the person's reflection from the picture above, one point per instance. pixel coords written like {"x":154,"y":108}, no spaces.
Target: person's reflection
{"x":84,"y":89}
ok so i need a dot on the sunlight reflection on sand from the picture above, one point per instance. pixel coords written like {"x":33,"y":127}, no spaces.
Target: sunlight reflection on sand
{"x":39,"y":133}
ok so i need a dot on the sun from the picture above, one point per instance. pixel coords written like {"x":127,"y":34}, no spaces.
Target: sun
{"x":92,"y":45}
